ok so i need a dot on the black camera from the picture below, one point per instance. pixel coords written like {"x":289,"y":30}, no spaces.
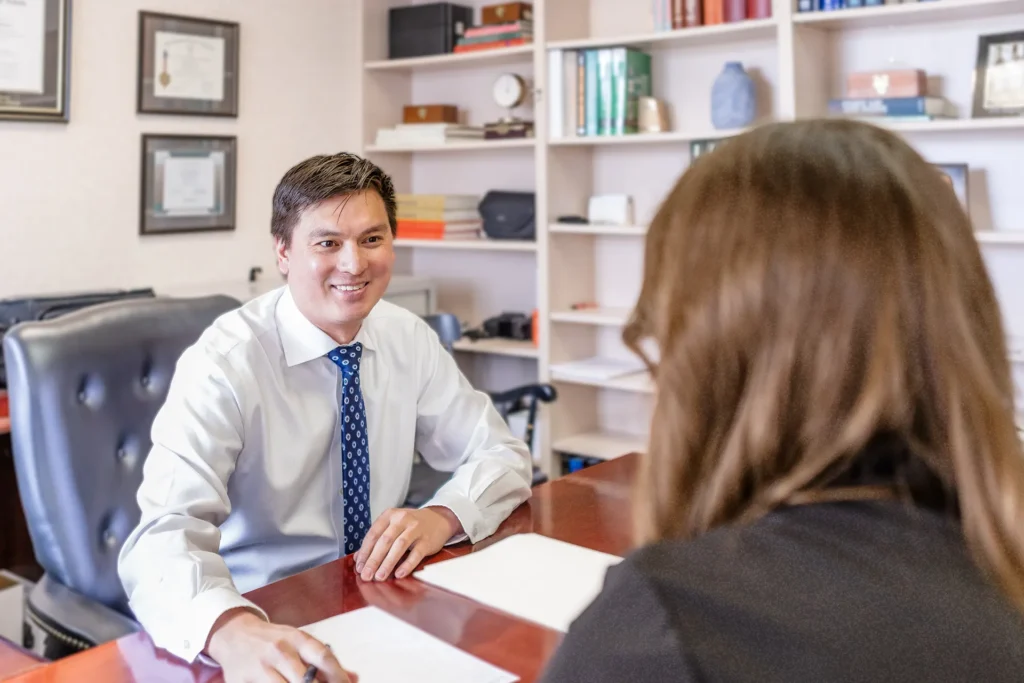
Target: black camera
{"x":517,"y":326}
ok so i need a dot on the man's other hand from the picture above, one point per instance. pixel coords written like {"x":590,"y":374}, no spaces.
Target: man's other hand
{"x":420,"y":533}
{"x":250,"y":650}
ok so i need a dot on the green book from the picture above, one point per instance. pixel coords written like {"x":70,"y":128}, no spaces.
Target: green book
{"x":606,"y":104}
{"x":638,"y":84}
{"x":591,"y":90}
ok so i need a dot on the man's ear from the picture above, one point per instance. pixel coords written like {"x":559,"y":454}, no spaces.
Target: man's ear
{"x":282,"y":253}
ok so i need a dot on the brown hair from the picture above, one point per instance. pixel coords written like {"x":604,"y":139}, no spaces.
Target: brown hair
{"x":324,"y":176}
{"x":810,"y":286}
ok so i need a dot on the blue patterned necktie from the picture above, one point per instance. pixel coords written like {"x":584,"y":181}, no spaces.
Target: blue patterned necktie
{"x":355,"y":456}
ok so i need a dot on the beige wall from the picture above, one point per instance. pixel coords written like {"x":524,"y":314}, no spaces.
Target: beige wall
{"x":69,"y":193}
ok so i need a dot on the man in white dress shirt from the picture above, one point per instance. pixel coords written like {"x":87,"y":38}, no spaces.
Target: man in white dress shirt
{"x":288,"y":435}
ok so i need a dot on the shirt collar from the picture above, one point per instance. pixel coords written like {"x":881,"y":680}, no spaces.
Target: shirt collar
{"x":301,"y":340}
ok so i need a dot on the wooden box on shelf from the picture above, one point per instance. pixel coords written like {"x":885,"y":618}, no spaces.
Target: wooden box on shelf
{"x":430,"y":113}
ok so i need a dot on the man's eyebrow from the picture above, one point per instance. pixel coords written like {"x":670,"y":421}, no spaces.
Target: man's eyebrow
{"x":322,"y":232}
{"x":375,"y":228}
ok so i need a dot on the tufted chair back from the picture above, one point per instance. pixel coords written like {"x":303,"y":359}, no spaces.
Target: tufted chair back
{"x":84,"y":389}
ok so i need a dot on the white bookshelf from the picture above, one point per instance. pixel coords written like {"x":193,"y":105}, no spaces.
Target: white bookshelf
{"x":799,"y":61}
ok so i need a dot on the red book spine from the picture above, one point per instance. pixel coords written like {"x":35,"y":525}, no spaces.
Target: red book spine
{"x":759,"y":9}
{"x":735,"y":10}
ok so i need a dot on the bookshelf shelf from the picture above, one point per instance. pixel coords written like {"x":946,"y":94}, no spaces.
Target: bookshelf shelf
{"x":454,"y":147}
{"x":468,"y":245}
{"x":1006,"y":237}
{"x":887,"y":16}
{"x":518,"y":54}
{"x":498,"y":347}
{"x":956,"y":125}
{"x":801,"y":61}
{"x":610,"y":317}
{"x":672,"y":137}
{"x":697,"y":36}
{"x":601,"y":445}
{"x":587,"y":229}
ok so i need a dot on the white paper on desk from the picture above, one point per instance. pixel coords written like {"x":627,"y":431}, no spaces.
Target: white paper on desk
{"x":380,"y":648}
{"x":530,"y":576}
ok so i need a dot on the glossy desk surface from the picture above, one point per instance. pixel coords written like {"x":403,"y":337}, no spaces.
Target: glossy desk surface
{"x":590,"y":508}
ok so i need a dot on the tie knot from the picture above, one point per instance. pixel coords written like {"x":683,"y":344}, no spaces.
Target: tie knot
{"x":347,"y":357}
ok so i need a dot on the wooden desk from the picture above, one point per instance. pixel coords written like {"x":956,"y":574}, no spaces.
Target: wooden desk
{"x":590,"y":508}
{"x":14,"y":660}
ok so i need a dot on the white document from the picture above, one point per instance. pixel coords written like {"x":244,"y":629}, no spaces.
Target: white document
{"x":597,"y":368}
{"x":190,"y":186}
{"x":530,"y":576}
{"x":22,"y":40}
{"x":380,"y":648}
{"x":188,"y":67}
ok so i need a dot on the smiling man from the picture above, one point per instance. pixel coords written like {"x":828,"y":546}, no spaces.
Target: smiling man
{"x":288,"y":435}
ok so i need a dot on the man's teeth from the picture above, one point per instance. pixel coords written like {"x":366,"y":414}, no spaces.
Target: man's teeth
{"x":350,"y":288}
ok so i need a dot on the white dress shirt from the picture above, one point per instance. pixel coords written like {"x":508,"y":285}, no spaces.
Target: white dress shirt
{"x":243,"y":484}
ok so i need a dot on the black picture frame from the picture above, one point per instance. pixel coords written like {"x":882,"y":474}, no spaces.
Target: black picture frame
{"x":50,"y":99}
{"x":194,"y":46}
{"x":204,"y":183}
{"x":1004,"y":51}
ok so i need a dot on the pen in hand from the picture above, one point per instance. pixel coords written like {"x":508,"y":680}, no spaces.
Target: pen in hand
{"x":311,"y":672}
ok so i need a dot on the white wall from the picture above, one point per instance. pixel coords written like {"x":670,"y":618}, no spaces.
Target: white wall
{"x":69,"y":193}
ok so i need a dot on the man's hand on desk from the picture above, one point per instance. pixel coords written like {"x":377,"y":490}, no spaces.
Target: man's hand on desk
{"x":251,"y":650}
{"x":421,"y":533}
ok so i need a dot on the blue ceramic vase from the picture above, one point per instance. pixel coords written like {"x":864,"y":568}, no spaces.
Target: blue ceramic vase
{"x":733,"y":102}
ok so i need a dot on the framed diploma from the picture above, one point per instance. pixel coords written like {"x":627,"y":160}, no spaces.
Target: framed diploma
{"x":34,"y":59}
{"x":999,"y":76}
{"x":187,"y":65}
{"x":188,"y":183}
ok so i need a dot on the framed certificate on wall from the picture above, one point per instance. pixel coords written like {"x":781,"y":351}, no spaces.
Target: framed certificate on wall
{"x":188,"y":183}
{"x":187,"y":65}
{"x":35,"y":61}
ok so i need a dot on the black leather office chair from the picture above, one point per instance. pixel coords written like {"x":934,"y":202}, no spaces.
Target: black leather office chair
{"x":84,"y":389}
{"x":425,"y":479}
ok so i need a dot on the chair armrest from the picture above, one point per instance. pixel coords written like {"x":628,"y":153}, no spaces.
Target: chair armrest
{"x":74,"y":618}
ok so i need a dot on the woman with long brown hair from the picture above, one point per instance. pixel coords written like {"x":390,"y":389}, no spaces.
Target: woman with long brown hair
{"x":834,"y":484}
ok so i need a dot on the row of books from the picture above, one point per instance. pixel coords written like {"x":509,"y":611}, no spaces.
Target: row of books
{"x":438,"y":216}
{"x":670,"y":15}
{"x":920,"y":108}
{"x":491,"y":36}
{"x":600,"y":90}
{"x":828,"y":5}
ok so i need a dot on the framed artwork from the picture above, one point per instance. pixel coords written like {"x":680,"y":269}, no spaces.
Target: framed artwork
{"x":999,"y":76}
{"x":188,"y":183}
{"x":187,"y":66}
{"x":35,"y":60}
{"x":956,"y":176}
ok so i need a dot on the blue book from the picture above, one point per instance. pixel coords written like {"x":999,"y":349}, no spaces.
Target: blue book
{"x":826,"y":5}
{"x":854,"y":3}
{"x":873,"y":3}
{"x":805,"y":6}
{"x":891,"y":106}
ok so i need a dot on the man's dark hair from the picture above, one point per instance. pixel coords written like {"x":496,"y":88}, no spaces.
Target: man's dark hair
{"x":324,"y":176}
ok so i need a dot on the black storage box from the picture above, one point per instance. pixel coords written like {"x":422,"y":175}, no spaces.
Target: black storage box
{"x":509,"y":215}
{"x":422,"y":30}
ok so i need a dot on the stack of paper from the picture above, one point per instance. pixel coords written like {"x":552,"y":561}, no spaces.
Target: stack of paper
{"x":597,"y":368}
{"x":380,"y":648}
{"x":529,"y":576}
